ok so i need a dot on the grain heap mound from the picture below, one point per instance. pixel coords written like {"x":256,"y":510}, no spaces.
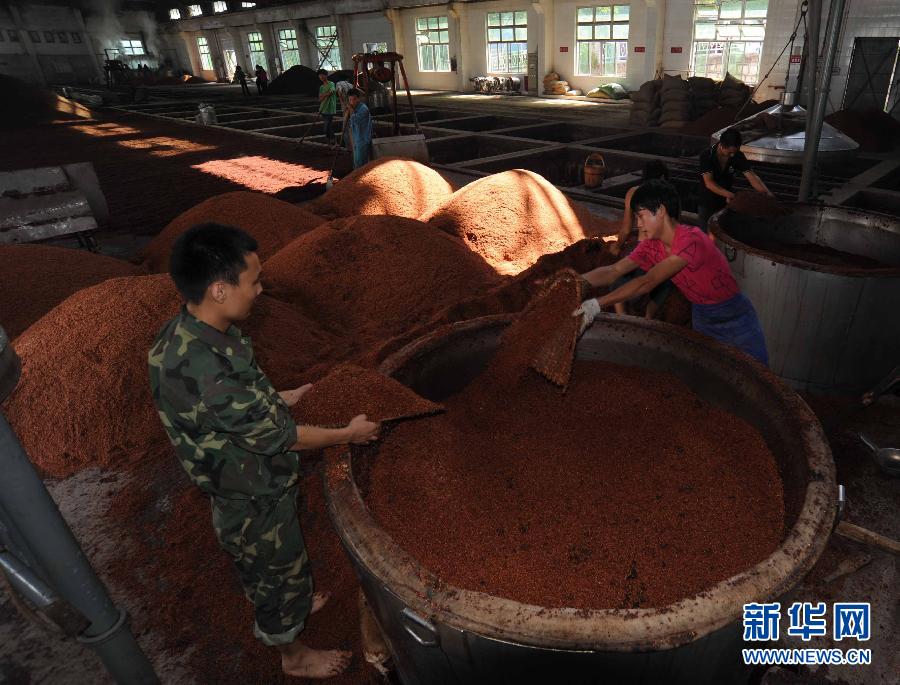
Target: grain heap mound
{"x":272,"y":222}
{"x":553,"y":504}
{"x":371,"y":277}
{"x":349,"y":390}
{"x":873,"y":129}
{"x":512,"y":218}
{"x":298,"y":80}
{"x":400,"y":187}
{"x":39,"y":277}
{"x":84,"y":396}
{"x":25,"y":103}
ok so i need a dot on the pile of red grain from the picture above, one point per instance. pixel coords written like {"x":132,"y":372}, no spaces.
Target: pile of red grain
{"x":272,"y":222}
{"x":722,"y":117}
{"x":39,"y":277}
{"x":84,"y":396}
{"x":512,"y":218}
{"x":822,"y":255}
{"x":759,"y":205}
{"x":399,"y":187}
{"x":349,"y":390}
{"x":873,"y":129}
{"x":372,"y":277}
{"x":616,"y":494}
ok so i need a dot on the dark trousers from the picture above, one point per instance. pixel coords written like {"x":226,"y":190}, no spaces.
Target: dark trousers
{"x":261,"y":87}
{"x":329,"y":123}
{"x":704,"y":212}
{"x":244,"y":89}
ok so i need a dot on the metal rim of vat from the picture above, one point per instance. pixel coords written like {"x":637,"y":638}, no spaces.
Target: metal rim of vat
{"x":621,"y":630}
{"x":803,"y":210}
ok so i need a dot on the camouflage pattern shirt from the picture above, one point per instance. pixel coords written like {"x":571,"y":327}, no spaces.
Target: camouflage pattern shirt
{"x":231,"y":430}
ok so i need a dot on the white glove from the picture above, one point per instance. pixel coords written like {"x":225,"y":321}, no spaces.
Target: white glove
{"x":589,"y":310}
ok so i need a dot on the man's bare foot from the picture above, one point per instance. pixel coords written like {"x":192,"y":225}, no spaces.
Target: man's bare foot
{"x":319,"y":599}
{"x":301,"y":661}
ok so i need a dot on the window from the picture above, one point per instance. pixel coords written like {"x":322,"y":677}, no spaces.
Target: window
{"x":62,"y":36}
{"x":728,"y":37}
{"x":507,"y":42}
{"x":34,"y":36}
{"x":287,"y":46}
{"x":76,"y":37}
{"x":257,"y":51}
{"x":329,"y":49}
{"x":13,"y":35}
{"x":205,"y":58}
{"x":248,"y":5}
{"x":49,"y":37}
{"x":375,"y":47}
{"x":62,"y":67}
{"x":174,"y":13}
{"x":195,"y":10}
{"x":132,"y":46}
{"x":220,"y":6}
{"x":433,"y":42}
{"x":601,"y":36}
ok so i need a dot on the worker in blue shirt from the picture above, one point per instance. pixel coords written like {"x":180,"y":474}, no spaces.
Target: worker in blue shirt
{"x":360,"y":129}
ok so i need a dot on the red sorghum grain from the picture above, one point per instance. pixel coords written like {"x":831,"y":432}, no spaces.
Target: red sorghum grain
{"x":512,"y":218}
{"x":371,"y":277}
{"x":272,"y":222}
{"x":627,"y":491}
{"x":349,"y":390}
{"x":399,"y":187}
{"x":38,"y":277}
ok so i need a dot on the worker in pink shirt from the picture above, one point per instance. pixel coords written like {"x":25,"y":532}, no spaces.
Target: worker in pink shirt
{"x":695,"y":266}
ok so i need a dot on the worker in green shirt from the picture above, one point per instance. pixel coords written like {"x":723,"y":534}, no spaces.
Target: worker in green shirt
{"x":327,"y":105}
{"x":236,"y":438}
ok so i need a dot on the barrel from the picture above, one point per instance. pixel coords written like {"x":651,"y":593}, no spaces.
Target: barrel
{"x":828,"y":328}
{"x":594,"y":170}
{"x":439,"y":634}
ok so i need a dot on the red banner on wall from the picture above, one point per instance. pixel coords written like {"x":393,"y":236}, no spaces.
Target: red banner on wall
{"x":563,"y":49}
{"x":640,"y":48}
{"x":676,"y":51}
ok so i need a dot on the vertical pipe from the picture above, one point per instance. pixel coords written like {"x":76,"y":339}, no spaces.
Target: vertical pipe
{"x":811,"y":46}
{"x":33,"y":513}
{"x":662,"y":8}
{"x":816,"y":117}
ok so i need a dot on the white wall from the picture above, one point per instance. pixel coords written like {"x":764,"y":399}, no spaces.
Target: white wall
{"x":371,"y":27}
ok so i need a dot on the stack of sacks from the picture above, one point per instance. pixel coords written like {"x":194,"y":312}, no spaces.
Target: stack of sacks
{"x":573,"y":93}
{"x":676,"y":102}
{"x":554,"y":86}
{"x":646,"y":108}
{"x":703,"y":95}
{"x":732,"y":92}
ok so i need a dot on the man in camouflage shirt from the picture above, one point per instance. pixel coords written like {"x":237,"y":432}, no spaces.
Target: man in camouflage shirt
{"x":235,"y":437}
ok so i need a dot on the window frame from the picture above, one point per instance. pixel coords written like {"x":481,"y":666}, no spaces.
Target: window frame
{"x":260,"y":57}
{"x":323,"y":40}
{"x":62,"y":37}
{"x":205,"y":55}
{"x":724,"y":45}
{"x":76,"y":36}
{"x":49,"y":37}
{"x":174,"y":14}
{"x":219,"y":6}
{"x":195,"y":10}
{"x":34,"y":36}
{"x":284,"y":47}
{"x":505,"y":45}
{"x":614,"y":64}
{"x":425,"y":27}
{"x":127,"y":47}
{"x":13,"y":36}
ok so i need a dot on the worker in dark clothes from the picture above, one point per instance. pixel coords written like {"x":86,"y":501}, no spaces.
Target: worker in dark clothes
{"x":718,"y":165}
{"x":262,"y":80}
{"x":242,"y":79}
{"x":236,"y":439}
{"x":693,"y":263}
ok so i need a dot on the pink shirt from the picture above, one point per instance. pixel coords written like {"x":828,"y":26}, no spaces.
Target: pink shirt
{"x":706,"y":279}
